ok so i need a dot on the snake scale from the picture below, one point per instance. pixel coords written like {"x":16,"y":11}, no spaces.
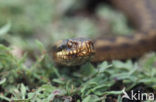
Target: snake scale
{"x":142,"y":13}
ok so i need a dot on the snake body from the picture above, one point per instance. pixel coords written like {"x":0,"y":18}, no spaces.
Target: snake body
{"x":142,"y":13}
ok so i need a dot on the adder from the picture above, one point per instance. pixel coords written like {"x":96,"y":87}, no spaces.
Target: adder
{"x":142,"y":13}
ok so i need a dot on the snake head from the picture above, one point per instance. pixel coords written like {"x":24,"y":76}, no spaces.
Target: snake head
{"x":73,"y":52}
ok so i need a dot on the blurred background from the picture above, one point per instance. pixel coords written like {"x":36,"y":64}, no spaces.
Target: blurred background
{"x":51,"y":20}
{"x":29,"y":27}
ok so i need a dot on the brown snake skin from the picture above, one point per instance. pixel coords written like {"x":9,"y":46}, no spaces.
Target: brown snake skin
{"x":142,"y":13}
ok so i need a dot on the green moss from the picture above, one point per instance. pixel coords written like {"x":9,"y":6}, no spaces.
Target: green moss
{"x":34,"y":78}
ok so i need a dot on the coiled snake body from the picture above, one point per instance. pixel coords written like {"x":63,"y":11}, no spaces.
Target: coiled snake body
{"x":142,"y":13}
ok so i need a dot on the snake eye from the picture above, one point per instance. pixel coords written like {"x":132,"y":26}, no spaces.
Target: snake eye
{"x":69,"y":44}
{"x":91,"y":43}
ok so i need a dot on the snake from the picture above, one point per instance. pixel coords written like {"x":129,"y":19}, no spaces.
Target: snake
{"x":142,"y":14}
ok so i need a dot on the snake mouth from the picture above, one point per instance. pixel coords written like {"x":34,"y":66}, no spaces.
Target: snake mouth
{"x":73,"y":52}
